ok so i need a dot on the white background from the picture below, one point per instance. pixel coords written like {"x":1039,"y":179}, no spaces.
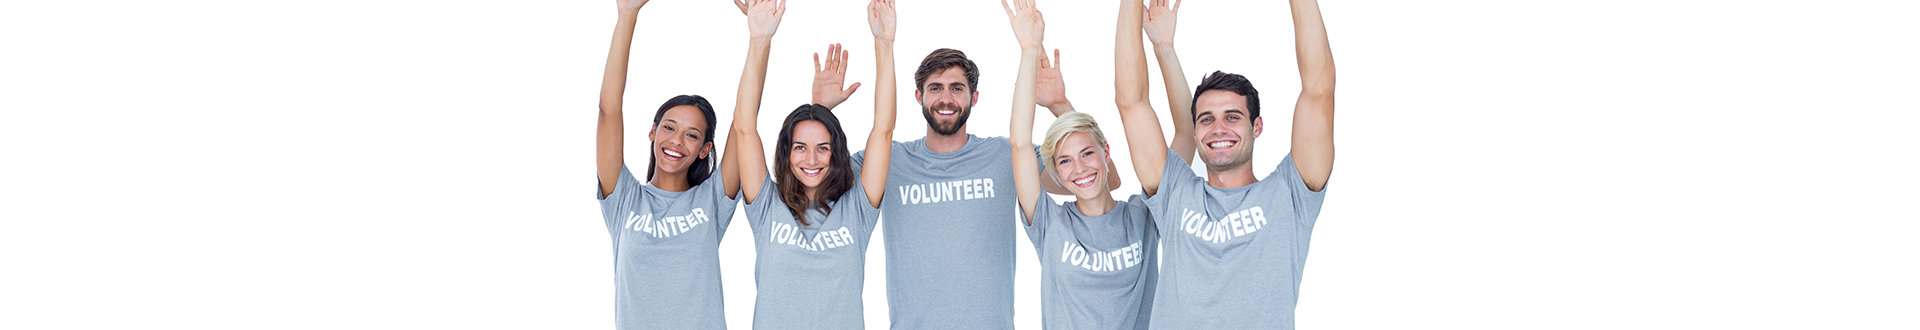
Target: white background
{"x":414,"y":164}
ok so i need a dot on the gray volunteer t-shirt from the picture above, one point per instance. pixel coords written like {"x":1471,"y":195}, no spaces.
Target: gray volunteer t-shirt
{"x":810,"y":277}
{"x":666,"y":253}
{"x":948,"y":235}
{"x":1232,"y":257}
{"x":1095,"y":272}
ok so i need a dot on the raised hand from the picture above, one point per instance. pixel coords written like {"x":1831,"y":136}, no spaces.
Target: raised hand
{"x":881,"y":19}
{"x":827,"y":81}
{"x":1159,"y":21}
{"x":1028,"y":25}
{"x":628,"y":6}
{"x":763,"y":16}
{"x":1052,"y":90}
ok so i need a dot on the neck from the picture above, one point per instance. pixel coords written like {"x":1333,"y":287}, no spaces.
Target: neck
{"x":813,"y":193}
{"x":946,"y":143}
{"x":669,"y":181}
{"x":1239,"y":176}
{"x":1095,"y":207}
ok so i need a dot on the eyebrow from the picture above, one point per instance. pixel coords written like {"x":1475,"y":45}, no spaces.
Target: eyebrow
{"x":1205,"y":113}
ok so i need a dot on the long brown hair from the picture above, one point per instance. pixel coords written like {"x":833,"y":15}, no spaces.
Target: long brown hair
{"x":839,"y":166}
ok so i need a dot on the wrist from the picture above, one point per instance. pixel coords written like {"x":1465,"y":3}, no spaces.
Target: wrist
{"x":1163,"y":46}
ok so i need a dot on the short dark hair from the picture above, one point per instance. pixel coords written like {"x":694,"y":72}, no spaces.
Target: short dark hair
{"x":1230,"y":82}
{"x":702,"y":167}
{"x":839,"y":166}
{"x":940,"y":60}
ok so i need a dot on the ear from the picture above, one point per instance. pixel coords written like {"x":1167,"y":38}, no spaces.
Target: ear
{"x":976,"y":96}
{"x":916,"y":97}
{"x":1258,"y":125}
{"x":706,"y":149}
{"x":650,"y":130}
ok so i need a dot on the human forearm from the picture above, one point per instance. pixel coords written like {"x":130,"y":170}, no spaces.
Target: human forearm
{"x":610,"y":133}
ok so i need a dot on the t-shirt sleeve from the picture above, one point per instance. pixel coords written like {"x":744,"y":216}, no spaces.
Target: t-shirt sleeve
{"x":626,"y":192}
{"x":767,"y":202}
{"x":1175,"y":178}
{"x":1044,"y":213}
{"x":713,"y":192}
{"x":1305,"y":201}
{"x":855,"y":200}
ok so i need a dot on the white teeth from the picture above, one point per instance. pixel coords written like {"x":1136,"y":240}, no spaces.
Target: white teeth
{"x":945,"y":112}
{"x":1083,"y":181}
{"x":812,"y":171}
{"x":1221,"y":144}
{"x":670,"y":152}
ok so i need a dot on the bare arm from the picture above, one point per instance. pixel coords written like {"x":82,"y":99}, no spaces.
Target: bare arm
{"x":1029,"y":28}
{"x":1144,"y":140}
{"x":873,"y":175}
{"x":763,"y":18}
{"x":1313,"y":114}
{"x":1159,"y":27}
{"x":610,"y":135}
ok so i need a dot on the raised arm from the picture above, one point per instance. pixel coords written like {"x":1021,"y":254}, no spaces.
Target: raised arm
{"x":1159,"y":25}
{"x":873,"y":175}
{"x":1144,"y":140}
{"x":610,"y":135}
{"x":1029,"y":28}
{"x":1313,"y":114}
{"x":763,"y":17}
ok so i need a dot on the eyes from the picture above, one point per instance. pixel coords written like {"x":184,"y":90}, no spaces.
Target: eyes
{"x":691,"y":134}
{"x":802,"y":147}
{"x":1064,"y":161}
{"x":1208,"y":119}
{"x":938,"y":88}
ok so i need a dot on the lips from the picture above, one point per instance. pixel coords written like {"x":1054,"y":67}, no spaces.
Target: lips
{"x":1085,"y":181}
{"x":1221,"y":144}
{"x":811,"y":171}
{"x":672,"y":155}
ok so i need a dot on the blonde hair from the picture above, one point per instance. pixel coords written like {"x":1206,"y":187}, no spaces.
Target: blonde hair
{"x":1067,"y":124}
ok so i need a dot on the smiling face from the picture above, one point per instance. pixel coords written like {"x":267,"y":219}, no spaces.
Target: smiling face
{"x":810,"y":156}
{"x":1080,"y":163}
{"x":1224,"y":129}
{"x":946,"y":100}
{"x":678,"y":139}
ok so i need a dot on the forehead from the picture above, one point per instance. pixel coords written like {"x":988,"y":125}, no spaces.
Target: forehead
{"x":811,"y":132}
{"x":1218,"y":101}
{"x":685,"y":115}
{"x":1073,"y":143}
{"x":950,"y":75}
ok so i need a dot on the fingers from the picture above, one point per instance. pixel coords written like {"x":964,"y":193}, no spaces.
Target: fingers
{"x":1043,"y":61}
{"x":1176,"y":5}
{"x":843,"y":61}
{"x":1056,"y":58}
{"x":853,"y":87}
{"x":742,"y":5}
{"x":1004,"y":7}
{"x":816,"y":62}
{"x":835,"y":58}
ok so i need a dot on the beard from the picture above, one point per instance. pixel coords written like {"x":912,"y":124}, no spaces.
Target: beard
{"x":961,"y":121}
